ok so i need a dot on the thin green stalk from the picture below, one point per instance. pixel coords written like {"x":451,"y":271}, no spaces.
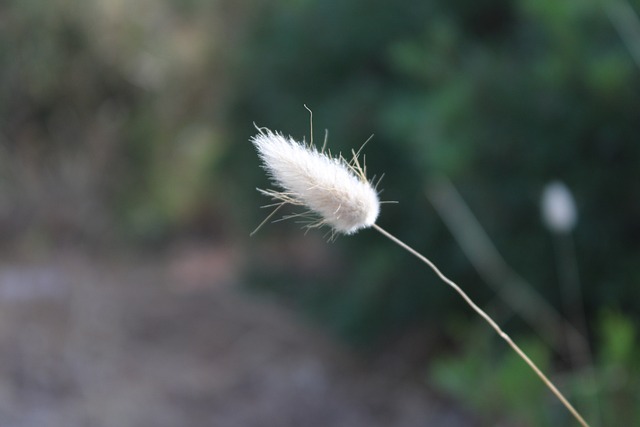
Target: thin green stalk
{"x":573,"y":301}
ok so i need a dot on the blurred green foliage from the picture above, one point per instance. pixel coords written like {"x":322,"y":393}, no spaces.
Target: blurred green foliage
{"x":495,"y":382}
{"x":502,"y":97}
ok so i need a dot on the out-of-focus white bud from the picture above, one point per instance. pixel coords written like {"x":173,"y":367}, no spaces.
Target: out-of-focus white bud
{"x":558,"y":208}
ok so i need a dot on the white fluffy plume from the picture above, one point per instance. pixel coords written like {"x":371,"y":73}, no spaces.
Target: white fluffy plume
{"x":334,"y":189}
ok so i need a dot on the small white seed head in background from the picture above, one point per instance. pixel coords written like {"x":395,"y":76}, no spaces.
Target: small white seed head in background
{"x":558,"y":208}
{"x":337,"y":191}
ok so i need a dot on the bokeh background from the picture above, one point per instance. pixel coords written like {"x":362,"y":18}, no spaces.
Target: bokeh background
{"x":132,"y":295}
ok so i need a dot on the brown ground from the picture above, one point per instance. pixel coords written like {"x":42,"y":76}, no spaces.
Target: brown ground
{"x":172,"y":342}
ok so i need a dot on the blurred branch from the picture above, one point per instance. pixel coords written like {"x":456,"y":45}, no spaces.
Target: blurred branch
{"x":626,"y":22}
{"x":493,"y":269}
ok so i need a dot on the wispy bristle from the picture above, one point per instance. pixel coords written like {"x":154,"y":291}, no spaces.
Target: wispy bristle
{"x":334,"y":189}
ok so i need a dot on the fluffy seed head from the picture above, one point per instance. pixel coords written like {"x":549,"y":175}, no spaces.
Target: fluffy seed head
{"x":336,"y":190}
{"x":558,"y":208}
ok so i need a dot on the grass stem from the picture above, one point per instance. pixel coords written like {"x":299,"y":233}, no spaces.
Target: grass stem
{"x":489,"y":320}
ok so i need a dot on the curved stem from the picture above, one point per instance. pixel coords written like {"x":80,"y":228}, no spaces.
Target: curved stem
{"x":489,"y":320}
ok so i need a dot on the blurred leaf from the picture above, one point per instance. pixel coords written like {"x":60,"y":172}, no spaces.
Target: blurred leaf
{"x":618,"y":336}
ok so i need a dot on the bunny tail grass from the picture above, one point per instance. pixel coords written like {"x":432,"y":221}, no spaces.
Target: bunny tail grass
{"x":489,"y":320}
{"x":337,"y":191}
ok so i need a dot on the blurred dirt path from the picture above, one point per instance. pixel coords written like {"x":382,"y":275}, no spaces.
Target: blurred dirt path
{"x":172,"y":342}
